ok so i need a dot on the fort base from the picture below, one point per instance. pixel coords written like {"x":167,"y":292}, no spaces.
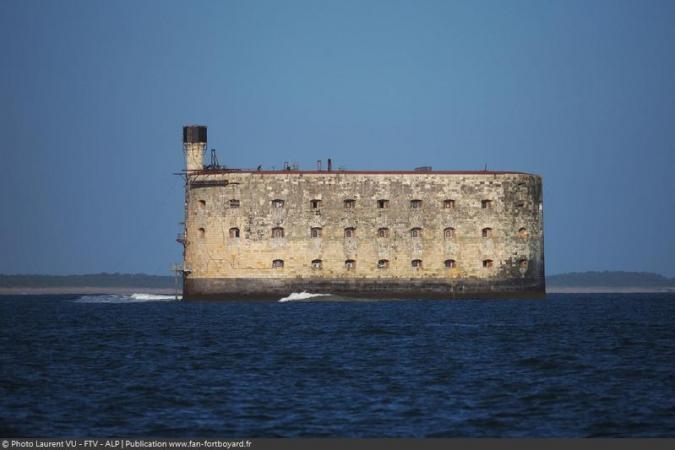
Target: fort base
{"x":413,"y":288}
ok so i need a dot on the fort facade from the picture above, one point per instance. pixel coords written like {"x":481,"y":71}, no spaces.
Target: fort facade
{"x":390,"y":234}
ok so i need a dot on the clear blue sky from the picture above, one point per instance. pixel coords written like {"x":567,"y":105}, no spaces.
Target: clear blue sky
{"x":93,"y":95}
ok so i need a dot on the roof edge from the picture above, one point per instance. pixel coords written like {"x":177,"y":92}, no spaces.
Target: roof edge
{"x":363,"y":172}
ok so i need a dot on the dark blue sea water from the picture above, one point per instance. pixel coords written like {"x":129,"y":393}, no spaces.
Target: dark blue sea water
{"x":571,"y":365}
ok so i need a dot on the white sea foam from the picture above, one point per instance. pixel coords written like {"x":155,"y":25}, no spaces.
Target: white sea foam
{"x":304,"y":295}
{"x":133,"y":298}
{"x":151,"y":297}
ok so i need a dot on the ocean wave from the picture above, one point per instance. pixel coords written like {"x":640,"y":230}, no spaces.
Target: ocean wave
{"x":304,"y":295}
{"x":150,"y":297}
{"x":133,"y":298}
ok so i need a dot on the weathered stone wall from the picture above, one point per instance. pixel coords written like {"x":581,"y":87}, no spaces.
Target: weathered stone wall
{"x":515,"y":204}
{"x":194,"y":155}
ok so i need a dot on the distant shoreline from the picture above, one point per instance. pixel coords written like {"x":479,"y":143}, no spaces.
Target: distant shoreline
{"x":66,"y":290}
{"x":592,"y":282}
{"x":607,"y":290}
{"x":75,"y":290}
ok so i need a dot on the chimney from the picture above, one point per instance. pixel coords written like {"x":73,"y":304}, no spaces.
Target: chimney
{"x":330,"y":164}
{"x":194,"y":145}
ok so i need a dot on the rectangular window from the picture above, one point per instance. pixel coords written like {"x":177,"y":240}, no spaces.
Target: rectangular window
{"x":234,"y":203}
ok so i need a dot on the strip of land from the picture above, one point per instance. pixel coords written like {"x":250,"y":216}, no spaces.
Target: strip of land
{"x":89,"y":290}
{"x":96,"y":283}
{"x":610,"y":282}
{"x":127,"y":284}
{"x":606,"y":290}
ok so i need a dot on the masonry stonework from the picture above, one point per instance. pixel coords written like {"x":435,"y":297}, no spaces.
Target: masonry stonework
{"x":264,"y":234}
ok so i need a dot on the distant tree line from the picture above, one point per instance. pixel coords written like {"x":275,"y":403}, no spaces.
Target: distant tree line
{"x":610,"y":279}
{"x":575,"y":279}
{"x":88,"y":280}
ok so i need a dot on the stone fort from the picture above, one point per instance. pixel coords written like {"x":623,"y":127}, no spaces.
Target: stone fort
{"x":389,"y":234}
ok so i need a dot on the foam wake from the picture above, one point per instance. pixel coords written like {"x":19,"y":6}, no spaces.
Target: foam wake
{"x":151,"y":297}
{"x":133,"y":298}
{"x":304,"y":295}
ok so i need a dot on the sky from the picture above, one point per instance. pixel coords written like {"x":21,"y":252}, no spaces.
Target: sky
{"x":94,"y":94}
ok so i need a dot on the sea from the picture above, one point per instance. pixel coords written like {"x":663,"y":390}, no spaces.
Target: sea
{"x":570,"y":365}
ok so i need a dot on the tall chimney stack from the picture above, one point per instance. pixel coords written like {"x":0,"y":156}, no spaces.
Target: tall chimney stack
{"x":194,"y":145}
